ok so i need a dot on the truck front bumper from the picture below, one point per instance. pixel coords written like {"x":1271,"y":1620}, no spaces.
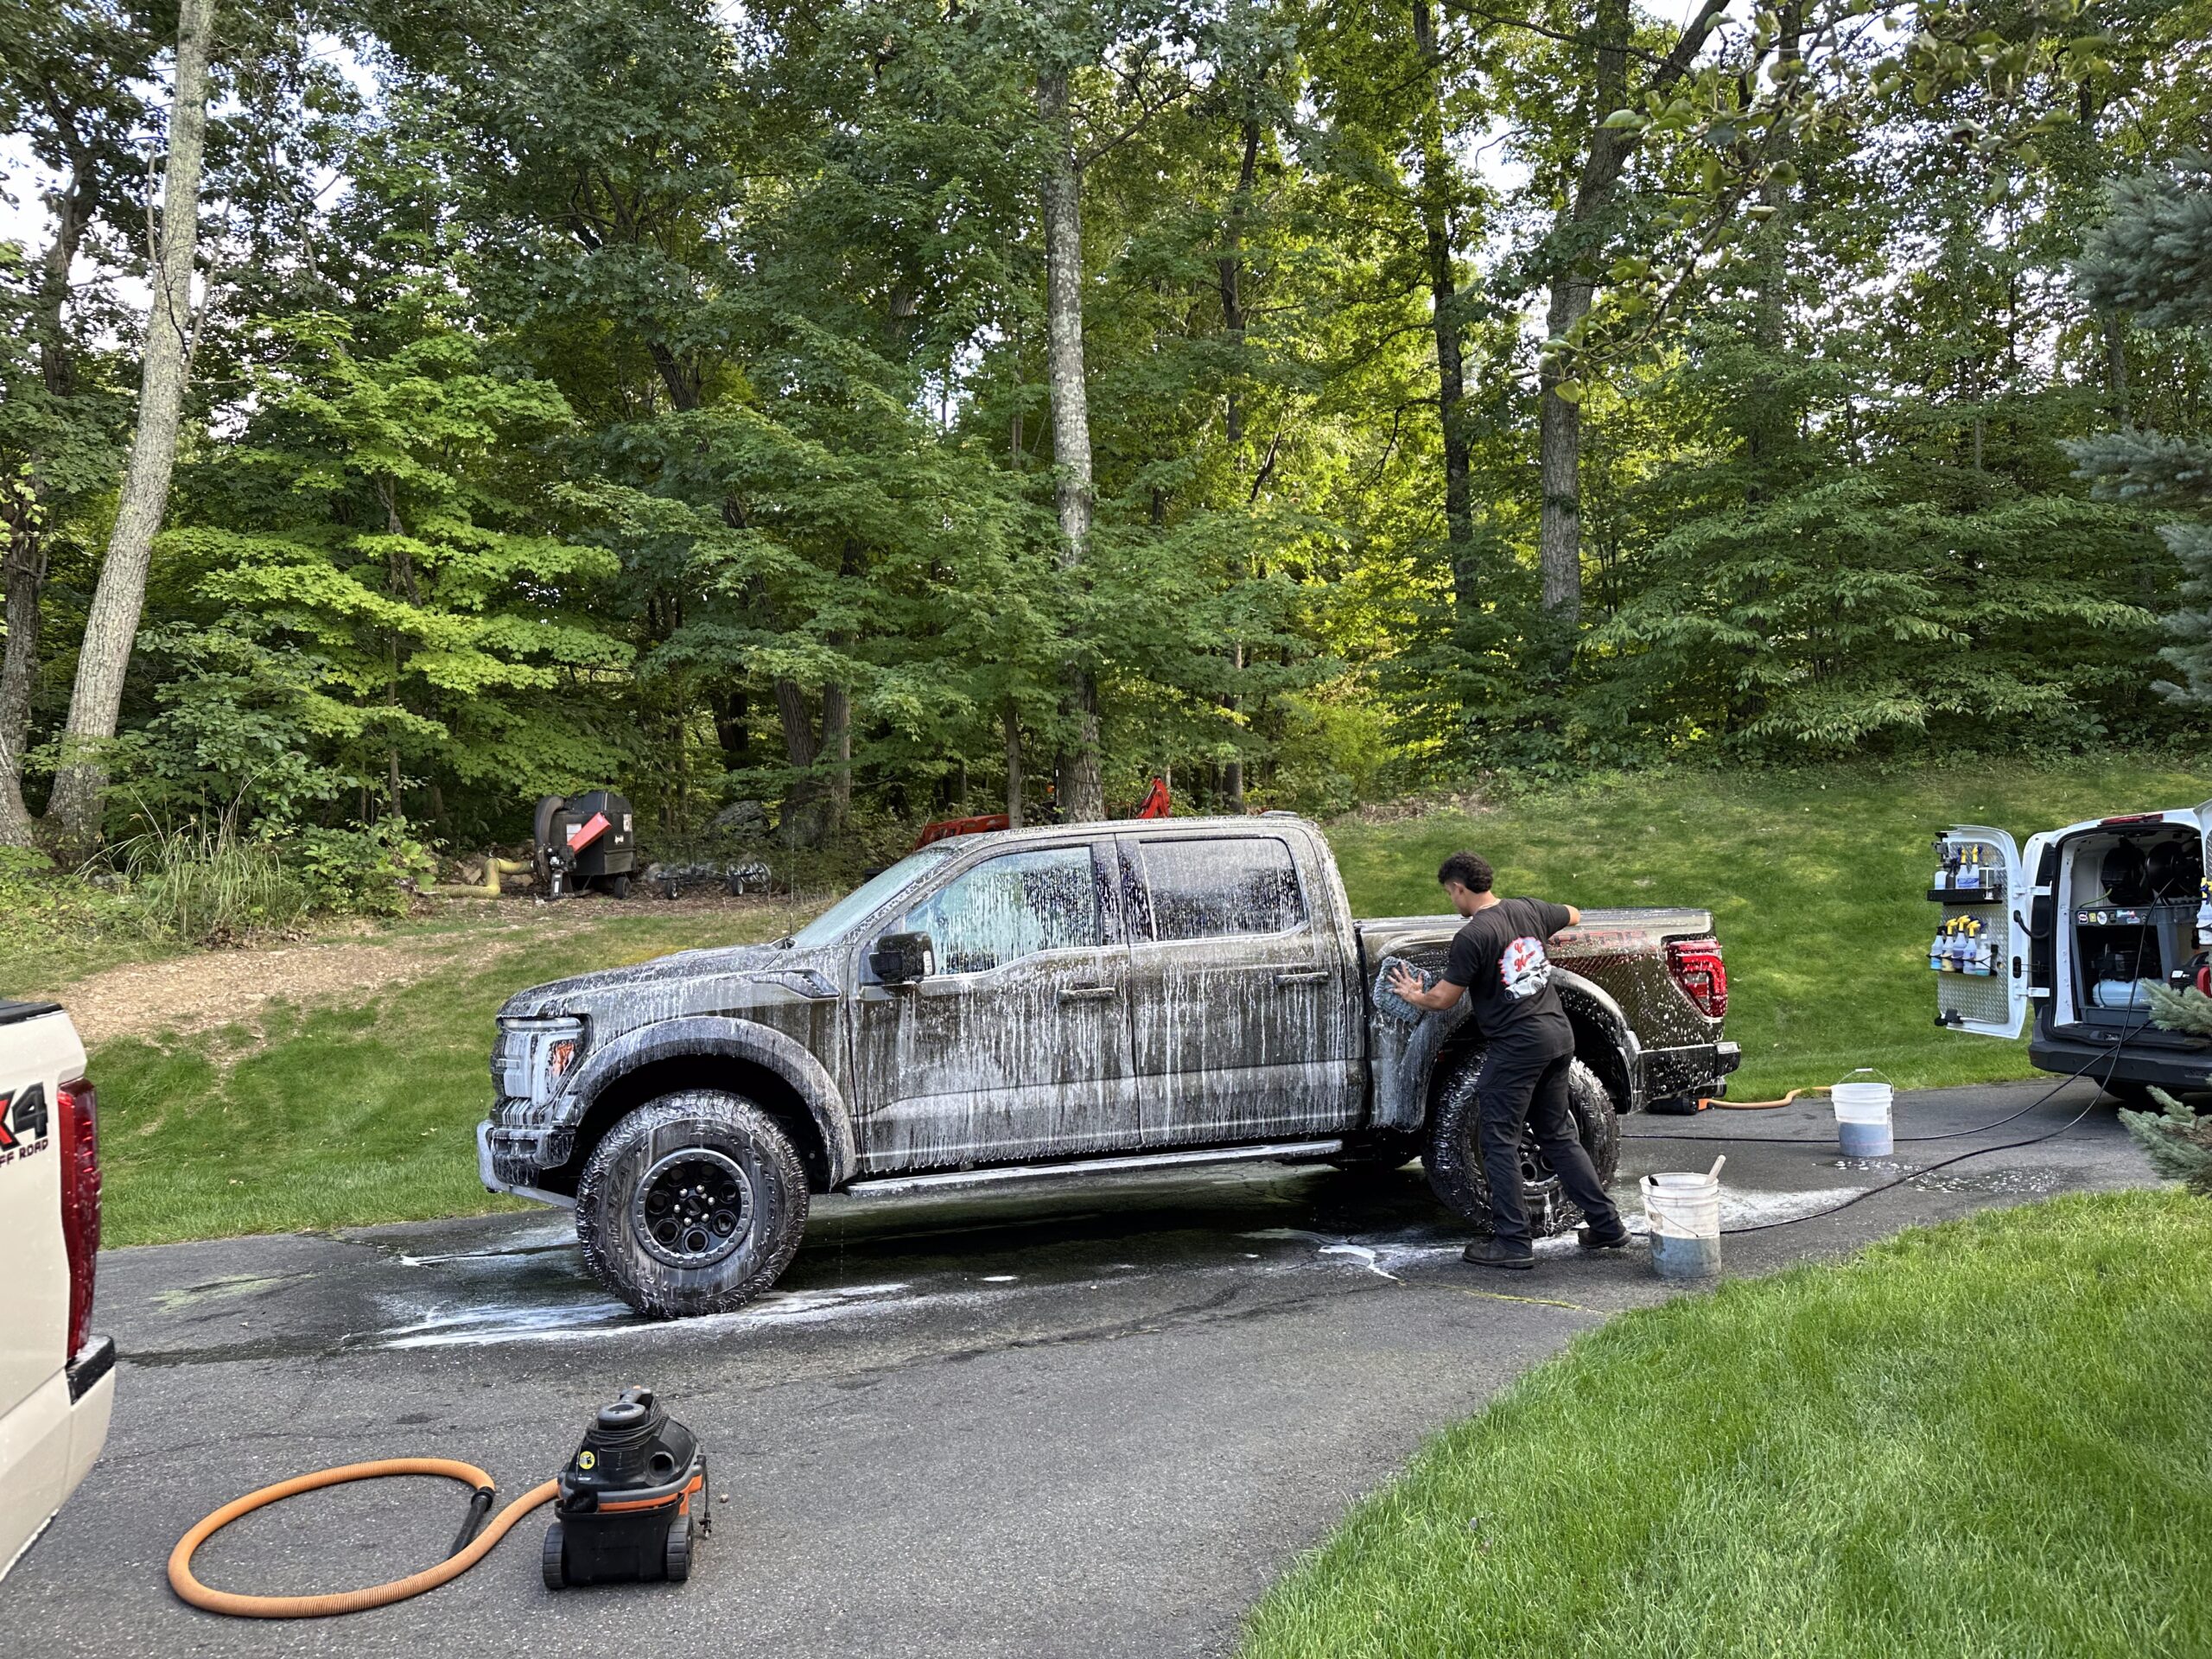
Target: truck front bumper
{"x":515,"y":1160}
{"x":1700,"y":1068}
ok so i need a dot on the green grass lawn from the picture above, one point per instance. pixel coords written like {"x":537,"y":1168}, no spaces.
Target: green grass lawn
{"x":1985,"y":1439}
{"x":341,"y":1115}
{"x":1816,"y":880}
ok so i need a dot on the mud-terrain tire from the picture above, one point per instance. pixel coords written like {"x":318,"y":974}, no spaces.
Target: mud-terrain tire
{"x":693,"y":1203}
{"x":1454,"y":1161}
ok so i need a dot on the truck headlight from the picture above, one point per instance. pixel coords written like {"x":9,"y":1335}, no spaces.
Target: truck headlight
{"x":535,"y":1055}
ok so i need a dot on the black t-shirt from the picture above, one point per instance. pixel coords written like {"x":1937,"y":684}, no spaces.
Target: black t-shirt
{"x":1499,"y":957}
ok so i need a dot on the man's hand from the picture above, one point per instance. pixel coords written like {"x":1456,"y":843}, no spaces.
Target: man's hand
{"x":1407,"y":983}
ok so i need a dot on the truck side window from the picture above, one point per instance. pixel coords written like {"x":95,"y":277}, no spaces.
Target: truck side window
{"x":1009,"y":907}
{"x":1213,"y":889}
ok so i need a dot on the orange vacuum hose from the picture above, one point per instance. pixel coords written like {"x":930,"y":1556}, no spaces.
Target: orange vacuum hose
{"x":345,"y":1601}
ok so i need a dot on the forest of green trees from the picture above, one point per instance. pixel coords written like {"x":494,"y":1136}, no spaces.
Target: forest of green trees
{"x":879,"y":408}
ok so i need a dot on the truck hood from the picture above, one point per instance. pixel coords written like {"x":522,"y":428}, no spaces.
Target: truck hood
{"x":720,"y":978}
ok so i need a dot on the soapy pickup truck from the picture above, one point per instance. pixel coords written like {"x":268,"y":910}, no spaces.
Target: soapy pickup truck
{"x":1062,"y":1001}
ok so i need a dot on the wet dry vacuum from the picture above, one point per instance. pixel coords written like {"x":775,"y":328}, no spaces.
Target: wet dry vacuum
{"x":629,"y":1507}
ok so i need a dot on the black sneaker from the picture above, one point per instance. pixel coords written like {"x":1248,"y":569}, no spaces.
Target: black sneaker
{"x":1489,"y":1253}
{"x":1591,"y":1239}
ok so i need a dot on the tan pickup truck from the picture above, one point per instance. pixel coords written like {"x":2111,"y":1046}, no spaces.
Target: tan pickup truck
{"x":57,"y":1380}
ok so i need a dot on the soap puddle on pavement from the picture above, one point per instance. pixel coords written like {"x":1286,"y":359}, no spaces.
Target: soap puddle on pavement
{"x":532,"y":1287}
{"x":483,"y":1325}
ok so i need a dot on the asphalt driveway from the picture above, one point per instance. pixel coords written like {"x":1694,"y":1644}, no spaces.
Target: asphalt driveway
{"x":1094,"y":1421}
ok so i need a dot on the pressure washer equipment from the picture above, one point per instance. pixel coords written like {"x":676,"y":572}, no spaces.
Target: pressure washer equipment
{"x":628,"y":1494}
{"x":632,"y":1500}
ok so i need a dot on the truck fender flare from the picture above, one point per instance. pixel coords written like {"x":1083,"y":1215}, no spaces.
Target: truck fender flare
{"x":1595,"y":1014}
{"x":705,"y":1034}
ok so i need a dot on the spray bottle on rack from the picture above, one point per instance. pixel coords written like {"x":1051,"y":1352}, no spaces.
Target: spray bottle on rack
{"x":2204,"y":910}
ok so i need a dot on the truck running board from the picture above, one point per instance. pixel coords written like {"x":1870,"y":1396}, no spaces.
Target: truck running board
{"x":890,"y":1187}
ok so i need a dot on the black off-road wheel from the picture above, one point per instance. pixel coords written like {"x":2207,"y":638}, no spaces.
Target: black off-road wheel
{"x":549,"y":1559}
{"x":1454,"y":1158}
{"x":618,"y":886}
{"x":691,"y":1205}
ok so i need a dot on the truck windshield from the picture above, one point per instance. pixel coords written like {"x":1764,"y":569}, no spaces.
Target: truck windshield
{"x":834,"y":922}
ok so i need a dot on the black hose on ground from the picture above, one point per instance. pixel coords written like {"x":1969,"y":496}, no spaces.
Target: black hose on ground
{"x":2111,"y":1063}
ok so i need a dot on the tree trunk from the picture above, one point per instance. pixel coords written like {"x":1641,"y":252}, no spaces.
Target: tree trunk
{"x":837,"y":748}
{"x":96,"y":701}
{"x":25,"y":575}
{"x":1575,"y":255}
{"x":802,"y":820}
{"x":732,"y":733}
{"x":1231,"y":270}
{"x":1771,"y":427}
{"x":1443,"y":291}
{"x":1081,"y":792}
{"x":1013,"y":778}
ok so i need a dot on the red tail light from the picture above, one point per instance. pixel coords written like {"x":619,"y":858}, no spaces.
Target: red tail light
{"x":77,"y":1134}
{"x":1697,"y":967}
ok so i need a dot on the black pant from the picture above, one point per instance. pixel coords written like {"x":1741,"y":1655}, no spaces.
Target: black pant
{"x":1523,"y":1081}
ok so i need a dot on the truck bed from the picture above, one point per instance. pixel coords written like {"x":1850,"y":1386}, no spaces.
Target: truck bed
{"x":1601,"y":933}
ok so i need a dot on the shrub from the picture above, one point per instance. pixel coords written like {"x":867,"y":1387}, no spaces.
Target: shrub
{"x":361,"y":872}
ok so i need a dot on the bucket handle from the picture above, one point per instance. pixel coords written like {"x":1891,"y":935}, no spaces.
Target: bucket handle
{"x":1882,"y":1075}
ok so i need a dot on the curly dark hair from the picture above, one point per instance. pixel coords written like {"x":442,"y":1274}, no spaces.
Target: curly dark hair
{"x":1470,"y":870}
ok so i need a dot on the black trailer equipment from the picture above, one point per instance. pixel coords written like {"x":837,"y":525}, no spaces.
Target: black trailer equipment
{"x":585,"y":841}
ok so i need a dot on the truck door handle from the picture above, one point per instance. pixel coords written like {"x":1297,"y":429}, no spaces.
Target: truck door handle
{"x":1088,"y":993}
{"x":1302,"y":976}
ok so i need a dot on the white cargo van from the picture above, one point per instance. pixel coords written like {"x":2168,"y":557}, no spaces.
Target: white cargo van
{"x":57,"y":1380}
{"x":2071,"y":927}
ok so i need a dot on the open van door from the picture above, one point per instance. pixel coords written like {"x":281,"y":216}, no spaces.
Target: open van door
{"x":1980,"y":882}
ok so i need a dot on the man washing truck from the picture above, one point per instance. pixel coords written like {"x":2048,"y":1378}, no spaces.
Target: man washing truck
{"x":1498,"y":960}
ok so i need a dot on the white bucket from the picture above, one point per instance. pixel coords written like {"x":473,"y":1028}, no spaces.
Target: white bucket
{"x":1862,"y":1118}
{"x":1683,"y":1211}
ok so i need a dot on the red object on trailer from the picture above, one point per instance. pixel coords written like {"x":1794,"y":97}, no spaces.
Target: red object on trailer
{"x":1156,"y":804}
{"x":582,"y":836}
{"x":945,"y":828}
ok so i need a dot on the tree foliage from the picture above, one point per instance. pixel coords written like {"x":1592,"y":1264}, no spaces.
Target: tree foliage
{"x":658,"y":394}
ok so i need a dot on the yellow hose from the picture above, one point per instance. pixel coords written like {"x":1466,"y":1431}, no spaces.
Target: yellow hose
{"x":345,"y":1601}
{"x":1763,"y":1105}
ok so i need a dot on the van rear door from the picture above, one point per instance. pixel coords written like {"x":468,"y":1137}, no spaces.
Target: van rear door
{"x":1985,"y":902}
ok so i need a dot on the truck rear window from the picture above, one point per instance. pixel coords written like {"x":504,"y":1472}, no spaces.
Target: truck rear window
{"x":1213,"y":888}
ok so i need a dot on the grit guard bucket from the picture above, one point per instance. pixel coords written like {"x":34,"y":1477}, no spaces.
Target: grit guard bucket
{"x":1862,"y":1117}
{"x":1683,"y":1213}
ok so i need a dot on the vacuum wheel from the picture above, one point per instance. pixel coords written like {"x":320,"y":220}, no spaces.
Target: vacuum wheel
{"x":549,"y":1559}
{"x":618,"y":886}
{"x":677,"y":1561}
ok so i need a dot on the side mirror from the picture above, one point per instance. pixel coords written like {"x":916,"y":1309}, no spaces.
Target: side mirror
{"x":902,"y":959}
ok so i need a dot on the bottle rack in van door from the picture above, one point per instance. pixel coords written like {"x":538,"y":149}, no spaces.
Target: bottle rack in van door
{"x":1972,"y":951}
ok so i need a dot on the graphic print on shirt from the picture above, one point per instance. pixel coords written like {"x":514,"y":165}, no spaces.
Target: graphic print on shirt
{"x":1524,"y":968}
